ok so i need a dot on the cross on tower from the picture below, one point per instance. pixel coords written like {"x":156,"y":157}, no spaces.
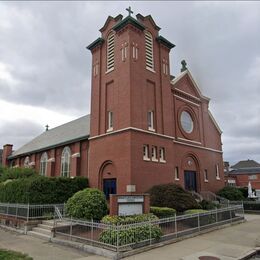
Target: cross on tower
{"x":129,"y":11}
{"x":47,"y":127}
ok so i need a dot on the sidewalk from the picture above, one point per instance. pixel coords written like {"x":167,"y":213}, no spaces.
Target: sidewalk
{"x":226,"y":244}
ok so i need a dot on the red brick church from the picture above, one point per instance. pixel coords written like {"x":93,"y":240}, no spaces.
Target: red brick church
{"x":146,"y":127}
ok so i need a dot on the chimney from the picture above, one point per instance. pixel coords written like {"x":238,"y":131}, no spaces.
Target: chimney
{"x":7,"y":151}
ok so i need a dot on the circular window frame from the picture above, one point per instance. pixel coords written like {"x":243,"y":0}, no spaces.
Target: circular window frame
{"x":192,"y":134}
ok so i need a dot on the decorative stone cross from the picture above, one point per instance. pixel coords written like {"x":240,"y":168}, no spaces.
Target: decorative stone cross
{"x":47,"y":127}
{"x":184,"y":65}
{"x":129,"y":11}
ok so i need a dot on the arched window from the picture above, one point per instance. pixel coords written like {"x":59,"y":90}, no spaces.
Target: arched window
{"x":110,"y":51}
{"x":65,"y":162}
{"x":43,"y":164}
{"x":26,"y":162}
{"x":149,"y":51}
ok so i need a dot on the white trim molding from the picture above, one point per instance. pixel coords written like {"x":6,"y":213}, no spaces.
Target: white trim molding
{"x":51,"y":159}
{"x":187,"y":140}
{"x":75,"y":155}
{"x":186,"y":100}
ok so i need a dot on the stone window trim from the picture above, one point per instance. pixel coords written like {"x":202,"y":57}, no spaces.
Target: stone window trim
{"x":206,"y":179}
{"x":110,"y":121}
{"x":66,"y":162}
{"x":110,"y":52}
{"x":162,"y":155}
{"x":146,"y":152}
{"x":176,"y":173}
{"x":217,"y":172}
{"x":150,"y":119}
{"x":43,"y":164}
{"x":154,"y":154}
{"x":149,"y":57}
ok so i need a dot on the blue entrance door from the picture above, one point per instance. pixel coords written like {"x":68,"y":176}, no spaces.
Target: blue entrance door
{"x":109,"y":187}
{"x":190,"y":180}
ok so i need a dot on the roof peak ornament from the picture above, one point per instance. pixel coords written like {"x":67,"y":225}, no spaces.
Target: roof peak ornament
{"x":47,"y":127}
{"x":129,"y":11}
{"x":184,"y":65}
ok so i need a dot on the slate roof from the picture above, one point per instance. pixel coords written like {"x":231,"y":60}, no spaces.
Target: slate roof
{"x":246,"y":164}
{"x":72,"y":131}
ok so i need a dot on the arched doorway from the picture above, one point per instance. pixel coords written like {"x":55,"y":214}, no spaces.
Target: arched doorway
{"x":191,"y":169}
{"x":107,"y":178}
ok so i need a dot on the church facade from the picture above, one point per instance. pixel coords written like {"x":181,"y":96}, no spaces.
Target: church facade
{"x":145,"y":128}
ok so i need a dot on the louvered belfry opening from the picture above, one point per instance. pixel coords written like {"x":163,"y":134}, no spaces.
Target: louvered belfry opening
{"x":110,"y":51}
{"x":149,"y":51}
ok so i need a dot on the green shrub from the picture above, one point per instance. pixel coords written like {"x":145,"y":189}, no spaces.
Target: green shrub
{"x":194,"y":211}
{"x":129,"y":235}
{"x":87,"y":204}
{"x":208,"y":205}
{"x":16,"y":173}
{"x":163,"y":212}
{"x":172,"y":196}
{"x":120,"y":220}
{"x":41,"y":190}
{"x":231,"y":193}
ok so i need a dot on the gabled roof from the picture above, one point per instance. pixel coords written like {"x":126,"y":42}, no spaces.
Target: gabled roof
{"x":186,"y":72}
{"x":246,"y":164}
{"x":72,"y":131}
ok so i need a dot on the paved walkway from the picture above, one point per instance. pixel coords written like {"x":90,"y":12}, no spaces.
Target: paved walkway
{"x":226,"y":244}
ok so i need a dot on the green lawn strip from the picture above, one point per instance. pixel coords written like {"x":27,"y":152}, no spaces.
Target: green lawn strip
{"x":12,"y":255}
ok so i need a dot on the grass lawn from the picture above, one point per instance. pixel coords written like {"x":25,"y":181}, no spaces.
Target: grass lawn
{"x":12,"y":255}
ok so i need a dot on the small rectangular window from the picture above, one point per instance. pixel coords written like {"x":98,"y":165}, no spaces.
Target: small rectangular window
{"x":162,"y":155}
{"x":206,"y":175}
{"x":150,"y":120}
{"x":146,"y":152}
{"x":176,"y":173}
{"x":154,"y":154}
{"x":217,"y":172}
{"x":110,"y":121}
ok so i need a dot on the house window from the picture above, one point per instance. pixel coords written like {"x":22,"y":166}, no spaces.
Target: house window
{"x":110,"y":121}
{"x":65,"y":162}
{"x":154,"y":154}
{"x":206,"y":175}
{"x":150,"y":118}
{"x":43,"y":164}
{"x":162,"y":155}
{"x":146,"y":152}
{"x":26,"y":163}
{"x":252,"y":177}
{"x":217,"y":172}
{"x":149,"y":51}
{"x":176,"y":173}
{"x":110,"y":51}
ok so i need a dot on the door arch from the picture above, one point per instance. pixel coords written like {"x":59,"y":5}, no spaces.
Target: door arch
{"x":191,"y":172}
{"x":108,"y":178}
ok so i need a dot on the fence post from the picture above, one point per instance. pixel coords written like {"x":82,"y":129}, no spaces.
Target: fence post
{"x":216,"y":215}
{"x":150,"y":226}
{"x":28,"y":212}
{"x":64,"y":206}
{"x":175,"y":226}
{"x":7,"y":212}
{"x":70,"y":228}
{"x":16,"y":211}
{"x":117,"y":238}
{"x":199,"y":222}
{"x":92,"y":223}
{"x":230,"y":214}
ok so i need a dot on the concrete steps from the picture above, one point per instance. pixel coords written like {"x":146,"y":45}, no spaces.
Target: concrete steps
{"x":43,"y":231}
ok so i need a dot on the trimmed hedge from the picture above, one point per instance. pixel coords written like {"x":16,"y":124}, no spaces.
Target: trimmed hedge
{"x":121,"y":220}
{"x":87,"y":204}
{"x":208,"y":205}
{"x":163,"y":212}
{"x":172,"y":196}
{"x":16,"y":173}
{"x":41,"y":190}
{"x":231,"y":193}
{"x":194,"y":211}
{"x":130,"y":234}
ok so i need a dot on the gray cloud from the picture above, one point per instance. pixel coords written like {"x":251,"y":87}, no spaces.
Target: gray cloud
{"x":43,"y":43}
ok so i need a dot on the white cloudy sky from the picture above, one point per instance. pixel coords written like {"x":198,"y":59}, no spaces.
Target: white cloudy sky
{"x":45,"y":68}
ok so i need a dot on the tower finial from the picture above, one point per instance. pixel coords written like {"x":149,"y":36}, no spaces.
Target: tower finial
{"x":129,"y":11}
{"x":184,"y":65}
{"x":47,"y":127}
